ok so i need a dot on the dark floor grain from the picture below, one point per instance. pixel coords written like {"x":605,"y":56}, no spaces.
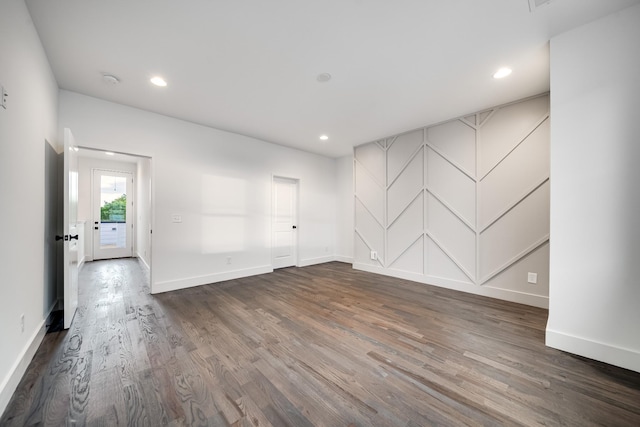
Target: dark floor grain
{"x":315,"y":346}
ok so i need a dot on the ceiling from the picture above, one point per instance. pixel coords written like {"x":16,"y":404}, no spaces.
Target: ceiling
{"x":251,"y":66}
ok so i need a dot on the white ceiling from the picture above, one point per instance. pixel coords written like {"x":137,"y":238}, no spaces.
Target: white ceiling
{"x":250,"y":66}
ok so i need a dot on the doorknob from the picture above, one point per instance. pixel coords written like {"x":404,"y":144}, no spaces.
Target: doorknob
{"x":73,"y":237}
{"x":60,"y":238}
{"x":294,"y":227}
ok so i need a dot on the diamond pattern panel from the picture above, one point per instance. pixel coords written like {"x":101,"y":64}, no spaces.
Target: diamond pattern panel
{"x":453,"y":234}
{"x":372,"y":157}
{"x":457,"y":142}
{"x":369,"y":193}
{"x":401,"y":151}
{"x":452,"y":186}
{"x":405,"y":188}
{"x":405,"y":229}
{"x":440,"y":265}
{"x":412,"y":260}
{"x":507,"y":127}
{"x":370,"y":230}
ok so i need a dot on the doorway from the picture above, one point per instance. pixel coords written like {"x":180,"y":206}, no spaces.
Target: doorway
{"x":284,"y":241}
{"x":112,"y":195}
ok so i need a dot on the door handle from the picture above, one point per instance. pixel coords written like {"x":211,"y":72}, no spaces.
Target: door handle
{"x":294,"y":227}
{"x":61,"y":238}
{"x":73,"y":237}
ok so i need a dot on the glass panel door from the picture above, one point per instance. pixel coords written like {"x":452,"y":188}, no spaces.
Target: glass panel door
{"x":112,"y":206}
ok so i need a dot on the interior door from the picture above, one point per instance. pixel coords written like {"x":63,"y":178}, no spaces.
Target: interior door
{"x":112,"y":214}
{"x":70,"y":230}
{"x":284,"y":222}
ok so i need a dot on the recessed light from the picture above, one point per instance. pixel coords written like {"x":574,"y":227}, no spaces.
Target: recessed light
{"x":158,"y":81}
{"x":110,"y":80}
{"x":324,"y":77}
{"x":323,"y":137}
{"x":109,"y":153}
{"x":502,"y":73}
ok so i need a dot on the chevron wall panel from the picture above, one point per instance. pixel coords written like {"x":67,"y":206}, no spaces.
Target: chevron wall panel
{"x":463,"y":204}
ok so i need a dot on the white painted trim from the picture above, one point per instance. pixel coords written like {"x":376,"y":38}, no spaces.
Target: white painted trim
{"x":468,"y":287}
{"x":317,"y":260}
{"x":343,"y":258}
{"x":520,"y":141}
{"x":189,"y":282}
{"x":453,"y":163}
{"x":142,"y":261}
{"x":11,"y":381}
{"x":533,"y":247}
{"x":368,"y":172}
{"x":406,"y":163}
{"x":608,"y":353}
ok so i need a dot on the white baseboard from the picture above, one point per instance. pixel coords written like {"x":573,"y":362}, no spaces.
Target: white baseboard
{"x":343,"y":258}
{"x":607,"y":353}
{"x":11,"y":381}
{"x":503,"y":294}
{"x":313,"y":261}
{"x":143,"y":262}
{"x":189,"y":282}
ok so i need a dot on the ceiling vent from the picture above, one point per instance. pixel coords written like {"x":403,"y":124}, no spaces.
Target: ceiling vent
{"x":534,"y":4}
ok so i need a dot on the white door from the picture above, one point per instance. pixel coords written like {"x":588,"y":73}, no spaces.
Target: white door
{"x":70,"y":230}
{"x":284,"y":222}
{"x":112,"y":214}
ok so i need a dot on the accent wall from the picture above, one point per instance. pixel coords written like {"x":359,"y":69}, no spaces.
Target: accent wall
{"x":462,"y":204}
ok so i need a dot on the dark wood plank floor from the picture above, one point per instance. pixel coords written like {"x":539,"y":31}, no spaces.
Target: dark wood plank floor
{"x":316,"y":346}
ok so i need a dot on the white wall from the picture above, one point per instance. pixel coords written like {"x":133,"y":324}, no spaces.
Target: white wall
{"x":595,"y":200}
{"x":143,"y":211}
{"x":344,"y":209}
{"x":85,"y":177}
{"x":462,"y":204}
{"x":29,"y":120}
{"x":220,"y":185}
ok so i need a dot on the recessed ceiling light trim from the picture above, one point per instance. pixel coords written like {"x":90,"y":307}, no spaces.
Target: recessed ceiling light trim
{"x":502,"y":73}
{"x":323,"y":137}
{"x":158,"y":81}
{"x":323,"y":77}
{"x":110,"y":79}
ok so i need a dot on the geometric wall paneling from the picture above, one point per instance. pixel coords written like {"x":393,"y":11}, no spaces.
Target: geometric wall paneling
{"x":412,"y":259}
{"x":484,"y":116}
{"x":517,"y":233}
{"x":401,"y":150}
{"x":405,"y":187}
{"x":372,"y":157}
{"x":452,"y":186}
{"x":405,"y":230}
{"x":514,"y":278}
{"x":507,"y":127}
{"x":462,"y":202}
{"x":361,"y":252}
{"x":453,"y":235}
{"x":369,"y":192}
{"x":457,"y":143}
{"x":526,"y":167}
{"x":440,"y":265}
{"x":369,"y":229}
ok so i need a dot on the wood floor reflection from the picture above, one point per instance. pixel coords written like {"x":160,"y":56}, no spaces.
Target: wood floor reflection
{"x":317,"y":346}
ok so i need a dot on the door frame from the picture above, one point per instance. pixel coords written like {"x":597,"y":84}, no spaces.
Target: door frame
{"x":131,"y":213}
{"x":296,"y":207}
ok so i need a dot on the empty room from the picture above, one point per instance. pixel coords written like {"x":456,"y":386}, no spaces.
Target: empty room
{"x":338,"y":213}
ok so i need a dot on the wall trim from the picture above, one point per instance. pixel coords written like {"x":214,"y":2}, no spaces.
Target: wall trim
{"x":189,"y":282}
{"x":317,"y":260}
{"x":468,"y":287}
{"x":343,"y":258}
{"x":608,"y":353}
{"x":142,"y":261}
{"x":10,"y":382}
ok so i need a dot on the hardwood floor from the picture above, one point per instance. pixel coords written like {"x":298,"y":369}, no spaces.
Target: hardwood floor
{"x":315,"y":346}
